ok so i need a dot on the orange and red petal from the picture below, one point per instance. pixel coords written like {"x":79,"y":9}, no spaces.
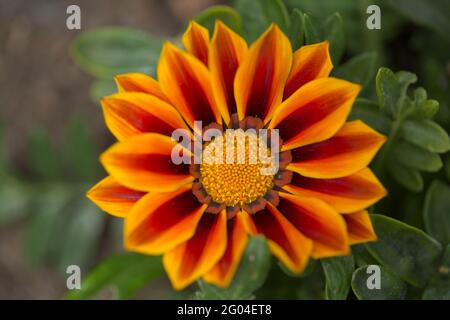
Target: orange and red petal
{"x":114,"y":198}
{"x":318,"y":221}
{"x":161,"y":221}
{"x":359,"y":227}
{"x":196,"y":41}
{"x":315,"y":112}
{"x":192,"y":259}
{"x":226,"y":52}
{"x":186,"y":82}
{"x":144,"y":163}
{"x":260,"y":79}
{"x":309,"y":62}
{"x":132,"y":113}
{"x":347,"y":194}
{"x":285,"y":241}
{"x":222,"y":273}
{"x":139,"y":82}
{"x":346,"y":153}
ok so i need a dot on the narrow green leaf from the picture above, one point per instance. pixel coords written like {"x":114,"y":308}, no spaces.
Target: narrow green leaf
{"x":81,"y":154}
{"x":81,"y":236}
{"x":338,"y":273}
{"x":436,"y":213}
{"x":125,"y":273}
{"x":407,"y":177}
{"x":109,"y":51}
{"x":359,"y":69}
{"x":253,"y":17}
{"x":251,"y":274}
{"x":275,"y":11}
{"x":391,"y":286}
{"x":408,"y":252}
{"x":415,"y":157}
{"x":439,"y":286}
{"x":43,"y":231}
{"x":296,"y":29}
{"x":15,"y":198}
{"x":312,"y":34}
{"x":226,"y":14}
{"x":369,"y":112}
{"x":333,"y":30}
{"x":426,"y":134}
{"x":43,"y":159}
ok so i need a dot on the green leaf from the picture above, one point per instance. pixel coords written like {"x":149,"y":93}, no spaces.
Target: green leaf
{"x":408,"y":252}
{"x":436,"y":213}
{"x":338,"y":273}
{"x":47,"y":221}
{"x":296,"y":29}
{"x":43,"y":159}
{"x":125,"y":273}
{"x":310,"y":267}
{"x":426,"y":134}
{"x":226,"y":14}
{"x":391,"y":90}
{"x":80,"y":151}
{"x":312,"y":34}
{"x":391,"y":286}
{"x":415,"y":157}
{"x":275,"y":11}
{"x":431,"y":14}
{"x":439,"y":286}
{"x":333,"y":30}
{"x":15,"y":198}
{"x":251,"y":274}
{"x":109,"y":51}
{"x":259,"y":14}
{"x":360,"y":69}
{"x":102,"y":88}
{"x":369,"y":112}
{"x":81,"y":236}
{"x":408,"y":177}
{"x":362,"y":256}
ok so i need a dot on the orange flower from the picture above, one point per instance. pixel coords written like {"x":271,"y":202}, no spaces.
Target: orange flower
{"x":199,"y":216}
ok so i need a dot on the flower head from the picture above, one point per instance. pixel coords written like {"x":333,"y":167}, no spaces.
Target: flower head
{"x":200,"y":215}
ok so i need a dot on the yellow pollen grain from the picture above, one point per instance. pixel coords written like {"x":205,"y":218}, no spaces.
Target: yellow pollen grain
{"x":239,"y":180}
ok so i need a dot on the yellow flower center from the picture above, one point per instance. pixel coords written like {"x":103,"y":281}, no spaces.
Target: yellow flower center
{"x":236,"y":168}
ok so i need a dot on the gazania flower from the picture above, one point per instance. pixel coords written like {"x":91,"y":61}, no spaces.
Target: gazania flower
{"x":199,"y":216}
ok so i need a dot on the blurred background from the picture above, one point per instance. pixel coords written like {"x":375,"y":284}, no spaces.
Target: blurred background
{"x":51,"y":126}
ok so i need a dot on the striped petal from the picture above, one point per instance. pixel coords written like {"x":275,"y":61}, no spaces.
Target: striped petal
{"x":285,"y":241}
{"x":347,"y":194}
{"x":222,"y":273}
{"x":346,"y":153}
{"x":190,"y":260}
{"x":260,"y":78}
{"x":186,"y":81}
{"x":359,"y":227}
{"x":226,"y":52}
{"x":315,"y":112}
{"x":196,"y":41}
{"x":144,"y":163}
{"x":309,"y":62}
{"x":161,"y":221}
{"x":114,"y":198}
{"x":131,"y":113}
{"x":318,"y":221}
{"x":139,"y":82}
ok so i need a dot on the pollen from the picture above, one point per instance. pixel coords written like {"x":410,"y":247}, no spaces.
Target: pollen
{"x":236,"y":168}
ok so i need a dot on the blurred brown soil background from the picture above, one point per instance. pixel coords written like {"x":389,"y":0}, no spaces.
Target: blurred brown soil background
{"x":40,"y":86}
